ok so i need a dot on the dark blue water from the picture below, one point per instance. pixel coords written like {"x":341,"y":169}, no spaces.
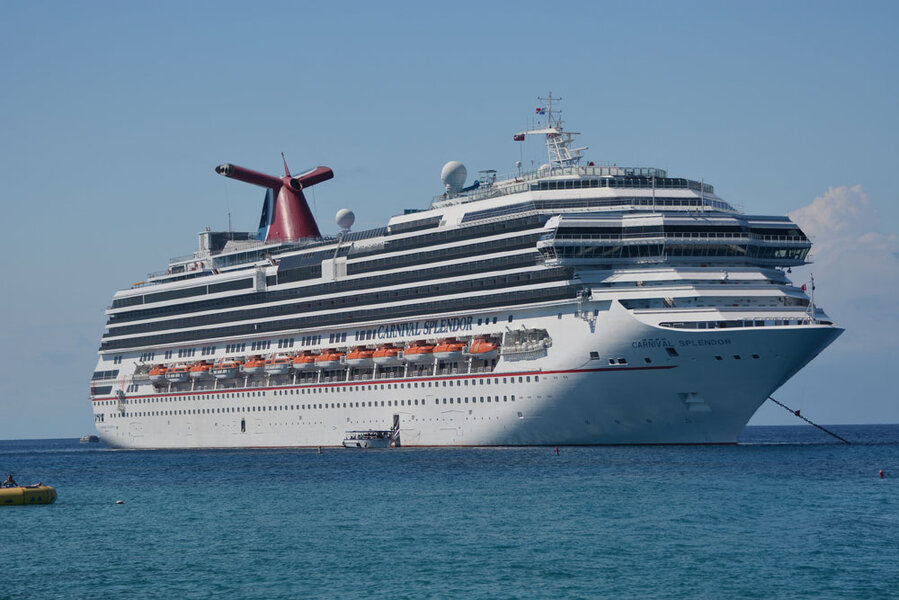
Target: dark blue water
{"x":786,"y":514}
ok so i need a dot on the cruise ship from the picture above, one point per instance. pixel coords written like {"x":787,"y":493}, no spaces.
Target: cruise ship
{"x":579,"y":303}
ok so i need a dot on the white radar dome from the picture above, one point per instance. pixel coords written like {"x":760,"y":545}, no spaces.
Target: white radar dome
{"x":345,"y":218}
{"x":453,"y":176}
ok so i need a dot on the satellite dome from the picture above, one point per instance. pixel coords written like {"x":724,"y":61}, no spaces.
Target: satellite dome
{"x":345,"y":219}
{"x":453,"y":176}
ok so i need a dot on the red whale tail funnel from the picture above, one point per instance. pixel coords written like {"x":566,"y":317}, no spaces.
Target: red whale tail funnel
{"x":290,"y":218}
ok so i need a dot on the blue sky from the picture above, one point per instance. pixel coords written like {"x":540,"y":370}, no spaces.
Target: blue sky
{"x":115,"y":114}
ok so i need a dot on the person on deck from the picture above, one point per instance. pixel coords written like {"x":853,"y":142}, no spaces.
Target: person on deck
{"x":10,"y":482}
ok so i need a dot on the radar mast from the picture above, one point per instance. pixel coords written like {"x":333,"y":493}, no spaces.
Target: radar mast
{"x":558,"y":141}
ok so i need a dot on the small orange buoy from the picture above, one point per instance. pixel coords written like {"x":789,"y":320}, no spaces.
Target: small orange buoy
{"x":881,"y":473}
{"x":557,"y":450}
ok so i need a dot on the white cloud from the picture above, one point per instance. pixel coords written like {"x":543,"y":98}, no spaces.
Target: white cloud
{"x":856,"y":267}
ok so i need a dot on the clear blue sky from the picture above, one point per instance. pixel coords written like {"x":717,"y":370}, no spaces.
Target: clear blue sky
{"x":115,"y":114}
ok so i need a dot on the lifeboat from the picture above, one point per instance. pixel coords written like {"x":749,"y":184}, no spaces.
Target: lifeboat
{"x":449,"y":349}
{"x":329,"y":359}
{"x":177,"y":374}
{"x":226,"y":369}
{"x":201,"y":370}
{"x":277,"y":365}
{"x":387,"y":356}
{"x":360,"y":357}
{"x":157,"y":374}
{"x":419,"y":351}
{"x":254,"y":365}
{"x":27,"y":495}
{"x":482,"y":349}
{"x":304,"y":361}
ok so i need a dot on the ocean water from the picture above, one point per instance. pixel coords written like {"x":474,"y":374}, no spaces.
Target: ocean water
{"x":787,"y":513}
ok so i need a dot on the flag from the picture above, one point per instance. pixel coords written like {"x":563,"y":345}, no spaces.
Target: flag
{"x":518,"y":137}
{"x":541,"y":111}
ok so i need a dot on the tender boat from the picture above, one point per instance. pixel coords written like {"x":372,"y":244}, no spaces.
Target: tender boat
{"x":254,"y":365}
{"x":177,"y":374}
{"x":360,"y":357}
{"x":27,"y":495}
{"x":304,"y":361}
{"x":226,"y":369}
{"x":483,"y":349}
{"x":449,"y":349}
{"x":278,"y":365}
{"x":88,"y":438}
{"x":370,"y":438}
{"x":387,"y":356}
{"x":157,"y":374}
{"x":201,"y":370}
{"x":419,"y":351}
{"x":329,"y":359}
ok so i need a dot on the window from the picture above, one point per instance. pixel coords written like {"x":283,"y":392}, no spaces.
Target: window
{"x":594,"y":356}
{"x":671,"y":351}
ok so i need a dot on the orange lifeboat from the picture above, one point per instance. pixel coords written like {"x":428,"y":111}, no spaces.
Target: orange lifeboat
{"x":419,"y":351}
{"x":254,"y":365}
{"x":304,"y":361}
{"x":201,"y":370}
{"x":329,"y":359}
{"x":177,"y":374}
{"x":360,"y":356}
{"x":449,"y":349}
{"x":482,"y":349}
{"x":226,"y":369}
{"x":157,"y":374}
{"x":387,"y":355}
{"x":277,"y":365}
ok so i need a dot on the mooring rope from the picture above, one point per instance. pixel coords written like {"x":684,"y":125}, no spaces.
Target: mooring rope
{"x":797,"y":414}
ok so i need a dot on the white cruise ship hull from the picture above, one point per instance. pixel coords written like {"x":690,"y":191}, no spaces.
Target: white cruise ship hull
{"x":562,"y":398}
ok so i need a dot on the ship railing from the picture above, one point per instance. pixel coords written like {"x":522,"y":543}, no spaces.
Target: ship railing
{"x":520,"y":182}
{"x":699,"y":236}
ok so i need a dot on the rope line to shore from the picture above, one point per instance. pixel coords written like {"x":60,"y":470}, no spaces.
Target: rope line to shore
{"x":797,"y":414}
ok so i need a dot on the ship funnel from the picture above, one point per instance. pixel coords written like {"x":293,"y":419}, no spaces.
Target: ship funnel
{"x":290,"y":217}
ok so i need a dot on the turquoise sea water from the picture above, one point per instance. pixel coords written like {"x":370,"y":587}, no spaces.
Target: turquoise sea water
{"x":785,"y":514}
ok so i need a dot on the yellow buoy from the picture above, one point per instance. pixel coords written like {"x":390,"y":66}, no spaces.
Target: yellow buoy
{"x":28,"y":494}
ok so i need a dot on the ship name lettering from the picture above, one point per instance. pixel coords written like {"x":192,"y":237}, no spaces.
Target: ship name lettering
{"x":709,"y":342}
{"x":418,"y":328}
{"x":652,"y":343}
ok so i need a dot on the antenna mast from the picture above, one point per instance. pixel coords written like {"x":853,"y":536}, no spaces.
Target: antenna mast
{"x":558,"y":141}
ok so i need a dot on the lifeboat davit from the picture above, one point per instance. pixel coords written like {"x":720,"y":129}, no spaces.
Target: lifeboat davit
{"x":27,"y":495}
{"x":226,"y":369}
{"x":329,"y":359}
{"x":201,"y":370}
{"x":360,"y":357}
{"x":449,"y":349}
{"x":177,"y":374}
{"x":157,"y":374}
{"x":387,"y":356}
{"x":254,"y":365}
{"x":419,"y":352}
{"x":482,"y":349}
{"x":277,"y":365}
{"x":304,"y":361}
